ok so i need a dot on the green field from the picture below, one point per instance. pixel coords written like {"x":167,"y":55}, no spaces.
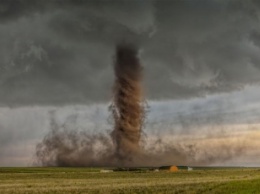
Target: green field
{"x":91,"y":180}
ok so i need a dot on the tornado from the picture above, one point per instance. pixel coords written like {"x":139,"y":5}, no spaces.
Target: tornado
{"x":127,"y":108}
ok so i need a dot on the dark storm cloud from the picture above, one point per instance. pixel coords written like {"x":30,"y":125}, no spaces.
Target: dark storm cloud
{"x":203,"y":46}
{"x":61,"y":52}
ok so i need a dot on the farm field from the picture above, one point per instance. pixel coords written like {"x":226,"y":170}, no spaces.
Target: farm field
{"x":91,"y":180}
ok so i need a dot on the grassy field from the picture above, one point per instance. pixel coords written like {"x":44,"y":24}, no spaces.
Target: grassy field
{"x":91,"y":180}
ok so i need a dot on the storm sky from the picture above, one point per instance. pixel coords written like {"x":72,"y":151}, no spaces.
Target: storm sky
{"x":201,"y":63}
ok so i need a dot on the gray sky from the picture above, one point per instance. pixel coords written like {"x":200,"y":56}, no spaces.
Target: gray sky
{"x":201,"y":62}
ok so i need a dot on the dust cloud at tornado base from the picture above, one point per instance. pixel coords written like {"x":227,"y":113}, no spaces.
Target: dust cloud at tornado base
{"x":67,"y":146}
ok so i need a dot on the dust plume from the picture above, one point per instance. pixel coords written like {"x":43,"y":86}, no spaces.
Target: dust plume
{"x":66,"y":145}
{"x":127,"y":107}
{"x":127,"y":145}
{"x":63,"y":148}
